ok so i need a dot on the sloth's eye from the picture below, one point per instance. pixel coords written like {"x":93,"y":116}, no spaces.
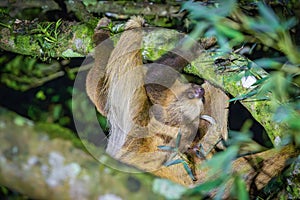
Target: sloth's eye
{"x":191,"y":95}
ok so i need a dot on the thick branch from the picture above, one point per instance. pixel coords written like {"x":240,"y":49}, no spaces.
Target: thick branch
{"x":136,"y":8}
{"x":44,"y":168}
{"x":84,"y":10}
{"x":47,"y":39}
{"x":234,"y":80}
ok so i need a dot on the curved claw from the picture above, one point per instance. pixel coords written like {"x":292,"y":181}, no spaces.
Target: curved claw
{"x":208,"y":118}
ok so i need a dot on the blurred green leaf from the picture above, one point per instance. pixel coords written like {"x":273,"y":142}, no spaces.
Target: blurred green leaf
{"x":199,"y":30}
{"x":64,"y":121}
{"x":238,"y":137}
{"x":40,"y":95}
{"x":262,"y":27}
{"x":269,"y":63}
{"x":103,"y":122}
{"x":206,"y":187}
{"x":260,"y":81}
{"x":283,"y":113}
{"x":199,"y":10}
{"x":289,"y":23}
{"x":239,"y":188}
{"x":19,"y":121}
{"x":268,"y":15}
{"x":55,"y":98}
{"x":229,"y":32}
{"x":57,"y":110}
{"x":23,"y":72}
{"x":220,"y":162}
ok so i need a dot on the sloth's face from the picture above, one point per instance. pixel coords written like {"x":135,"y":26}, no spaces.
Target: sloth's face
{"x":188,"y":101}
{"x":195,"y":92}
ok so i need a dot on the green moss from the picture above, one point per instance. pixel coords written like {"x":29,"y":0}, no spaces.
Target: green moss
{"x":26,"y":44}
{"x":83,"y":37}
{"x":56,"y":131}
{"x":23,"y":41}
{"x":158,"y":42}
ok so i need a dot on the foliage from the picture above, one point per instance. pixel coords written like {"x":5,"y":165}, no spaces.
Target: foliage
{"x":234,"y":28}
{"x":156,"y":43}
{"x":221,"y":173}
{"x":47,"y":34}
{"x":23,"y":72}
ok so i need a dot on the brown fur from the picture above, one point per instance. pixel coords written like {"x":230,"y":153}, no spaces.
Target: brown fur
{"x":141,"y":120}
{"x":96,"y":76}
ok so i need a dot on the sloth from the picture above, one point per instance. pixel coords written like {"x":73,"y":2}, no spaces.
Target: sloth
{"x":147,"y":105}
{"x":151,"y":106}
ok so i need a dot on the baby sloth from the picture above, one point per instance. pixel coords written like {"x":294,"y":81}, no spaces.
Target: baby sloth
{"x":147,"y":106}
{"x":174,"y":103}
{"x":183,"y":103}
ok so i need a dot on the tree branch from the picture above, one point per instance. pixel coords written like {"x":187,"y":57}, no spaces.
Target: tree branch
{"x":47,"y":39}
{"x":44,"y":168}
{"x":234,"y":79}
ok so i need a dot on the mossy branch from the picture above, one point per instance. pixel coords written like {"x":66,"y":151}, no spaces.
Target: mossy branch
{"x":44,"y":168}
{"x":47,"y":39}
{"x":234,"y":80}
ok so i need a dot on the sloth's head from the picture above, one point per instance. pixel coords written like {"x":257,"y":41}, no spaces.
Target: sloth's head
{"x":186,"y":104}
{"x":190,"y":101}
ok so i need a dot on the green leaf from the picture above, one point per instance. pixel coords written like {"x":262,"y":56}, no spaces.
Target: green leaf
{"x":260,"y":27}
{"x":260,"y":81}
{"x":269,"y":63}
{"x":220,"y":192}
{"x":20,"y":121}
{"x":189,"y":171}
{"x":173,"y":162}
{"x":70,"y":53}
{"x":206,"y":186}
{"x":220,"y":162}
{"x":238,"y":137}
{"x":282,"y":113}
{"x":244,"y":96}
{"x":268,"y":15}
{"x":57,"y":111}
{"x":198,"y":30}
{"x":40,"y":95}
{"x":240,"y":189}
{"x":4,"y":190}
{"x":199,"y":11}
{"x":178,"y":139}
{"x":229,"y":32}
{"x":289,"y":23}
{"x":166,"y":148}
